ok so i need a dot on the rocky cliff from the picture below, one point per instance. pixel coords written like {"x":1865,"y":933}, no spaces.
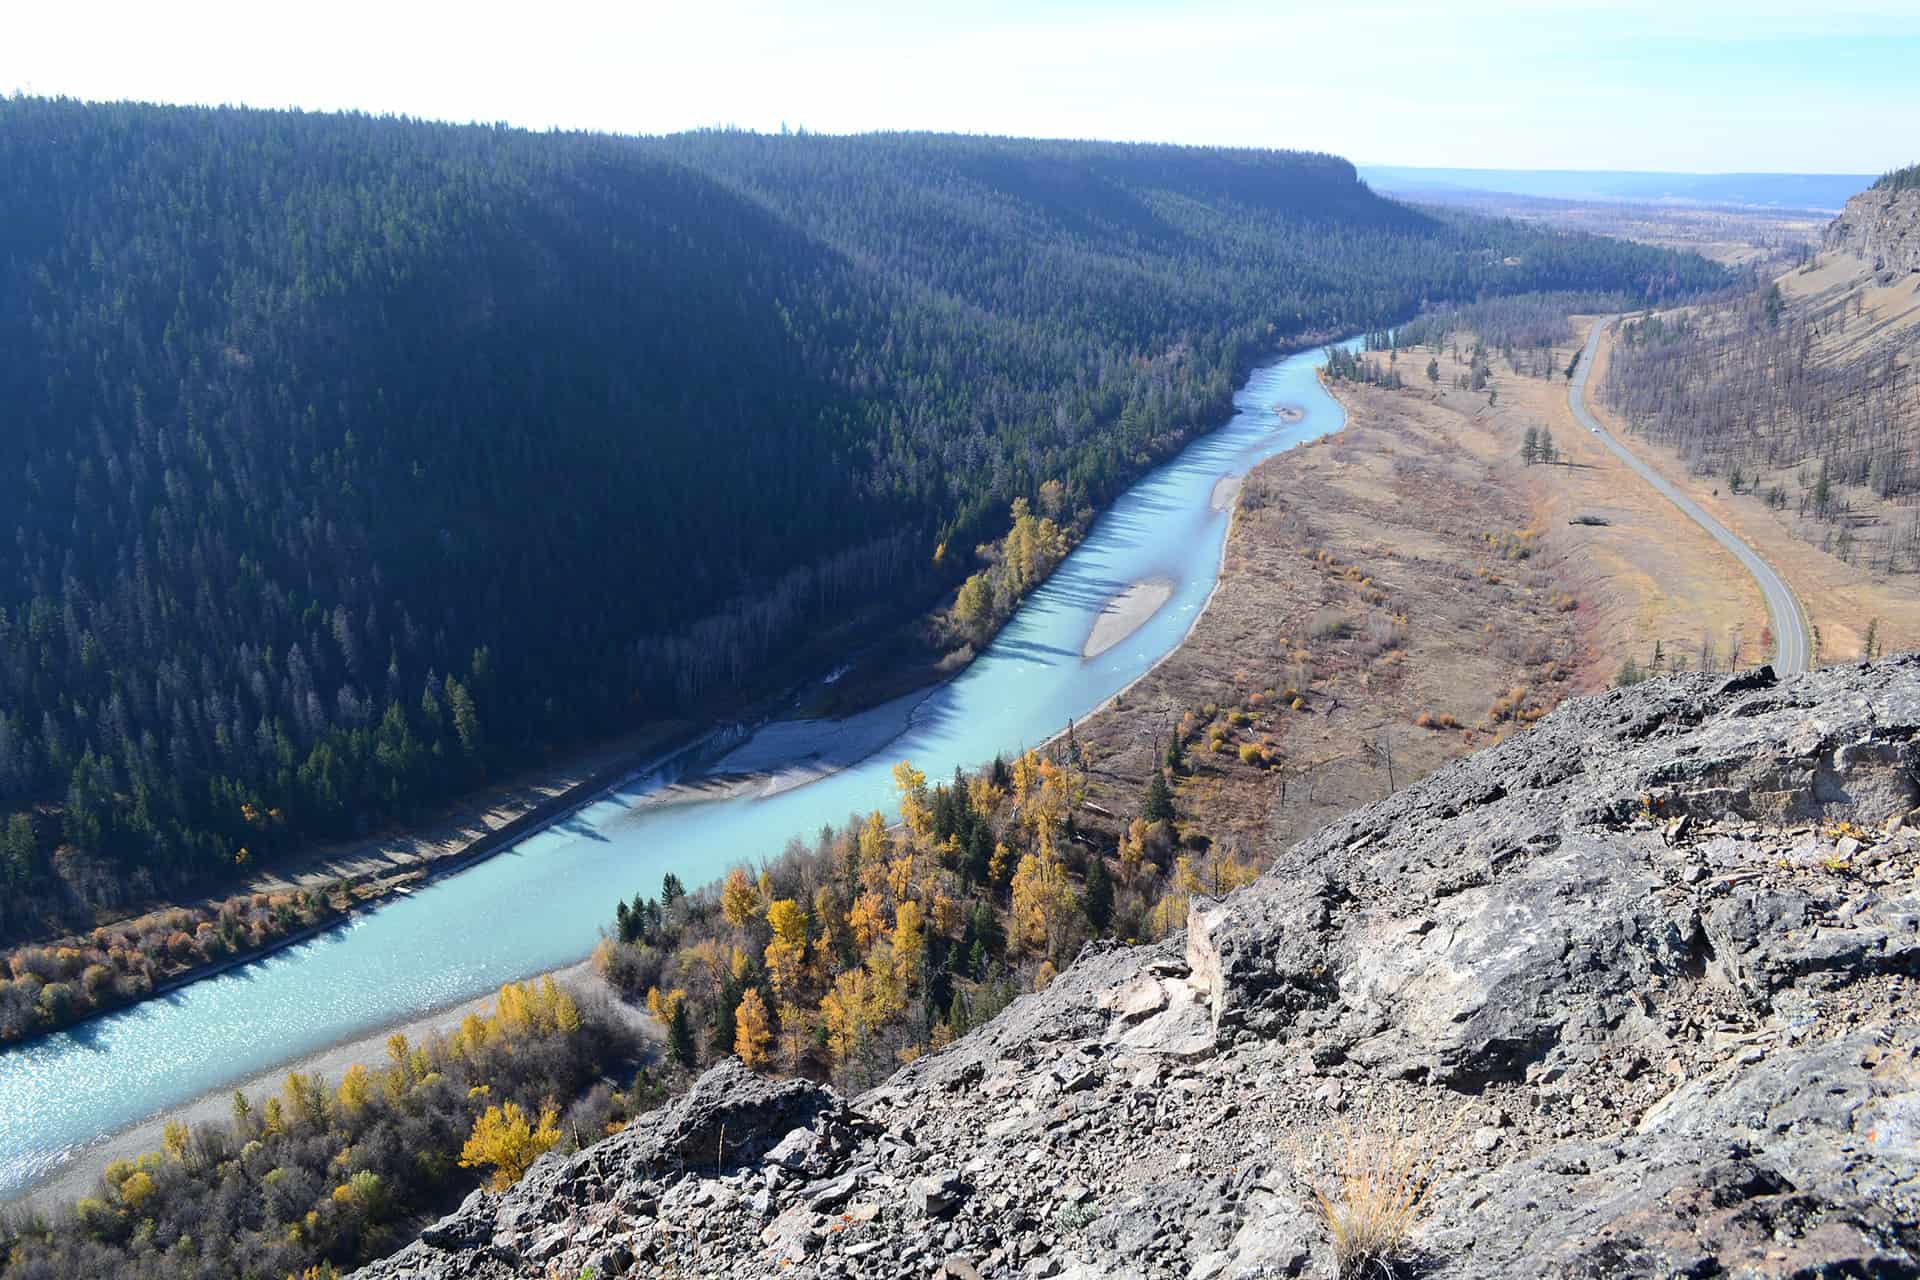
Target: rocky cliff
{"x":1630,"y":994}
{"x":1882,"y":226}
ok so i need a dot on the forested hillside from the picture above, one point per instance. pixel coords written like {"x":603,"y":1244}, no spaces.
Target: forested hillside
{"x":346,"y":461}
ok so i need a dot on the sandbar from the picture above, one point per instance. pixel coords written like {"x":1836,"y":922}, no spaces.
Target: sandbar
{"x":1126,"y":613}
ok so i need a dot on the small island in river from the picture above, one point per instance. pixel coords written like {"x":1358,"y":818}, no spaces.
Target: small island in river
{"x":1125,"y":614}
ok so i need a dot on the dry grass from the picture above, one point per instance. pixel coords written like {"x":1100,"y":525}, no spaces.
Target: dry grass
{"x":1372,"y":1202}
{"x":1839,"y":597}
{"x":1364,"y":591}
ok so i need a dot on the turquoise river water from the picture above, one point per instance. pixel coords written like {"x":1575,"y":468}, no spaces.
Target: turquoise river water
{"x":539,"y":904}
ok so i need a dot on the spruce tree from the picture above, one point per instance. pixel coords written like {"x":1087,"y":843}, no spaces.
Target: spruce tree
{"x":1159,"y":805}
{"x":680,"y":1045}
{"x":1099,"y":895}
{"x":726,"y":1024}
{"x":980,"y":852}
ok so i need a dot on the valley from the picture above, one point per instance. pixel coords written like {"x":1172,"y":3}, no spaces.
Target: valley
{"x":1145,"y":676}
{"x":466,"y":934}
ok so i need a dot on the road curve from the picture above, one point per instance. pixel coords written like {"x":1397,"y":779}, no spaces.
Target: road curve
{"x":1793,"y":645}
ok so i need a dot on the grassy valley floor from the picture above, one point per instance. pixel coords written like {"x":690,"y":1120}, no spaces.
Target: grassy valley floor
{"x":1403,"y":593}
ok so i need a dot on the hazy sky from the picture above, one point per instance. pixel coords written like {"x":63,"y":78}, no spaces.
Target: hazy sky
{"x":1698,"y":85}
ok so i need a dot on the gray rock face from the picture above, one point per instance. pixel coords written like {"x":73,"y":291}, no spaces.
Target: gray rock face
{"x":1629,"y":994}
{"x":607,"y":1198}
{"x":1883,"y":227}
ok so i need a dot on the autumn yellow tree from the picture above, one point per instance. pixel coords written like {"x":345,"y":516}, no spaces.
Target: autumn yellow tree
{"x":566,"y":1015}
{"x":1043,"y":902}
{"x":515,"y":1009}
{"x":909,"y":940}
{"x":1047,"y":805}
{"x":739,"y":898}
{"x":796,"y":1034}
{"x":355,"y":1091}
{"x":868,"y":920}
{"x":786,"y":953}
{"x":914,"y":809}
{"x":505,"y":1139}
{"x":848,"y":1011}
{"x":948,"y":916}
{"x":1133,"y":847}
{"x":874,"y":848}
{"x":983,"y":794}
{"x":1026,"y":778}
{"x":664,"y":1006}
{"x":753,"y":1030}
{"x":136,"y":1190}
{"x":973,"y":607}
{"x":901,"y":875}
{"x":830,"y":926}
{"x":1000,"y":867}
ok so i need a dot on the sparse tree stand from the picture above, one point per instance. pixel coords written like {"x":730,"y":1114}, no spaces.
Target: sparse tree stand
{"x":1537,"y":446}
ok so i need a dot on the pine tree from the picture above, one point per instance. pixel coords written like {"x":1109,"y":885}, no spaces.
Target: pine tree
{"x":980,"y":852}
{"x":726,"y":1032}
{"x":1159,"y":804}
{"x":1098,"y":899}
{"x":680,"y":1046}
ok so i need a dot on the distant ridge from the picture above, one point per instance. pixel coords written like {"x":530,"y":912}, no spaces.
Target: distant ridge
{"x":1827,"y":192}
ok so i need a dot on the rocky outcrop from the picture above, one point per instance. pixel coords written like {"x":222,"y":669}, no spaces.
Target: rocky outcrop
{"x":1631,"y":994}
{"x":1882,"y":226}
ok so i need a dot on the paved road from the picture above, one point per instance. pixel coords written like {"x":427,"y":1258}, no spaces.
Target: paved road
{"x":1793,"y":644}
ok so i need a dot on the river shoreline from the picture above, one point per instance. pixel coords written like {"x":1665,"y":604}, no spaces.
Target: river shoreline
{"x":456,"y":857}
{"x":78,"y":1172}
{"x":384,"y":868}
{"x":740,"y":776}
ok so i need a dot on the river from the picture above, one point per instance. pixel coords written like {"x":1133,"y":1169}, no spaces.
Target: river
{"x":538,"y":905}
